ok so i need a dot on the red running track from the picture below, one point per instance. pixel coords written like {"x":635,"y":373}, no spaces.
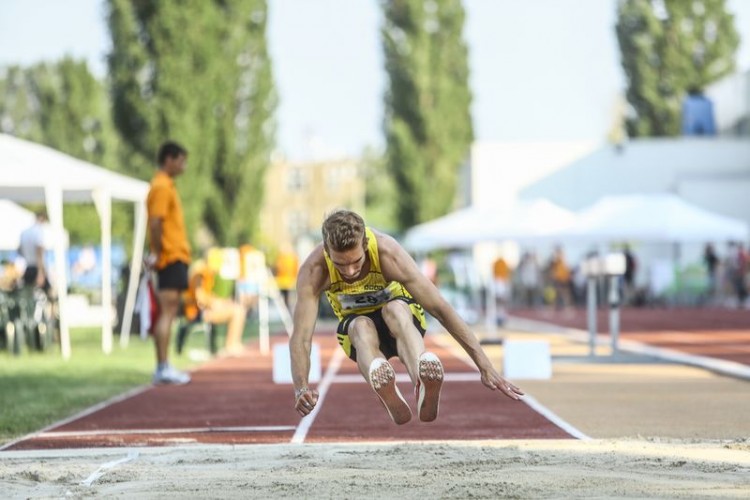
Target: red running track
{"x":712,"y":332}
{"x":235,"y":401}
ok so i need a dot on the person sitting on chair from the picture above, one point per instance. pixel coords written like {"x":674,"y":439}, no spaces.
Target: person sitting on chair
{"x":202,"y":304}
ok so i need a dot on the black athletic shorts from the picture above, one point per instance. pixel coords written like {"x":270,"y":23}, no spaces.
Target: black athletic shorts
{"x":387,"y":341}
{"x":174,"y":276}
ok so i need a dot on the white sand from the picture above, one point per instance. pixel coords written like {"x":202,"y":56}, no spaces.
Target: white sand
{"x":516,"y":469}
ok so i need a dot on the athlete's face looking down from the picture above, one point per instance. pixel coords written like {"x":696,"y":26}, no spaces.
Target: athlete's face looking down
{"x":349,"y":263}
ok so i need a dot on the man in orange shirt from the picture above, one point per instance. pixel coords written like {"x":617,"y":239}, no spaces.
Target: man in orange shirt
{"x":170,"y":253}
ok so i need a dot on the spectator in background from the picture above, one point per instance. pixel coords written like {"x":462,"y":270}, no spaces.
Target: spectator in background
{"x":559,"y":273}
{"x":740,"y":278}
{"x":286,"y":267}
{"x":529,"y":279}
{"x":628,"y":278}
{"x":501,"y":274}
{"x":10,"y":276}
{"x":32,"y":249}
{"x":170,"y":253}
{"x":711,"y":260}
{"x":698,"y":114}
{"x":200,"y":301}
{"x":86,"y":261}
{"x":735,"y":264}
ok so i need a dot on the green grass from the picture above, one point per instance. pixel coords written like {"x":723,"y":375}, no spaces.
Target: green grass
{"x":37,"y":389}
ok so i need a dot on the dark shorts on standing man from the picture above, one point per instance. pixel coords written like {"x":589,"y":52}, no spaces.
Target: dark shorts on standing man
{"x":387,"y":341}
{"x":174,"y":276}
{"x":29,"y":278}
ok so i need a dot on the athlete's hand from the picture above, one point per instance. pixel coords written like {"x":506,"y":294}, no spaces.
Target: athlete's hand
{"x":305,"y":401}
{"x":493,"y":380}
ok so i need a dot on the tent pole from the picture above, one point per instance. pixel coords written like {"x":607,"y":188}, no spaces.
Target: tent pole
{"x":139,"y":236}
{"x":54,"y":201}
{"x":103,"y":204}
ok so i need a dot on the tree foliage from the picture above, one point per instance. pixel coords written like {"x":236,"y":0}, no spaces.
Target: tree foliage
{"x":667,"y":48}
{"x":198,"y":72}
{"x":63,"y":106}
{"x":380,"y":193}
{"x":427,"y":105}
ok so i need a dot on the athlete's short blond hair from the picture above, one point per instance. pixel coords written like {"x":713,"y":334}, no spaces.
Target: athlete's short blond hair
{"x":343,"y":230}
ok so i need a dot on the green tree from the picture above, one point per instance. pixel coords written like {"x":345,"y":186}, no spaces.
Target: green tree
{"x":380,"y":191}
{"x":198,"y":72}
{"x":19,"y":104}
{"x":63,"y":106}
{"x":428,"y":124}
{"x":669,"y":47}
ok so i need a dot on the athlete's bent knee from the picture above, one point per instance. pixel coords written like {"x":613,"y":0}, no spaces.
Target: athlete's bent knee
{"x":396,"y":311}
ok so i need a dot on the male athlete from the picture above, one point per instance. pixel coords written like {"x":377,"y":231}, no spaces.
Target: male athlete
{"x":378,"y":292}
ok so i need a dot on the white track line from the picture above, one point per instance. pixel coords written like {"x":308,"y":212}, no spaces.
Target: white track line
{"x":716,"y":365}
{"x":527,"y":398}
{"x":333,"y":367}
{"x":404,"y":377}
{"x":184,"y":430}
{"x":88,"y":411}
{"x":554,"y":418}
{"x":132,"y":455}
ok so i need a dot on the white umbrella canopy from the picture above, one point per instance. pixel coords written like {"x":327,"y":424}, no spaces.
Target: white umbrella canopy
{"x":525,"y":220}
{"x":454,"y":230}
{"x":659,"y":217}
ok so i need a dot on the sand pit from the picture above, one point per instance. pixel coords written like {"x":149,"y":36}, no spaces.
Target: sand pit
{"x":510,"y":469}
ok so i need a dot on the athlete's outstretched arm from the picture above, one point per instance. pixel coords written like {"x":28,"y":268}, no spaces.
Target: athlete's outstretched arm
{"x":398,"y":265}
{"x":310,"y":280}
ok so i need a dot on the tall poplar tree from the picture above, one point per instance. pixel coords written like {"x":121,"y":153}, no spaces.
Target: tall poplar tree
{"x":198,"y":72}
{"x":427,"y":104}
{"x":669,"y":47}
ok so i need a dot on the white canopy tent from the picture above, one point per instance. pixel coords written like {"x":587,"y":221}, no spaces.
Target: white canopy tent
{"x":31,"y":172}
{"x":525,"y":220}
{"x":661,"y":217}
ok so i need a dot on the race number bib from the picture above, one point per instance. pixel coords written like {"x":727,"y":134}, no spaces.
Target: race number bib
{"x":363,"y":300}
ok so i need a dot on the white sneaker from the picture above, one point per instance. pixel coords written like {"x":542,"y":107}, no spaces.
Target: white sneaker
{"x":170,"y":375}
{"x":383,"y":382}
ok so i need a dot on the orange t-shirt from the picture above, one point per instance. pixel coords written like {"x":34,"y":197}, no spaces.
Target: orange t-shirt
{"x":203,"y":278}
{"x":500,"y":270}
{"x":560,"y":271}
{"x":163,"y":203}
{"x":287,"y":266}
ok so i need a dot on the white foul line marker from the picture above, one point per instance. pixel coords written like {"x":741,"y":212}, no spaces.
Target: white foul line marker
{"x":333,"y":367}
{"x":132,"y":455}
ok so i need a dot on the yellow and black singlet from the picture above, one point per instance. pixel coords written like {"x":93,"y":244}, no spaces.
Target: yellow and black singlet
{"x":366,"y":295}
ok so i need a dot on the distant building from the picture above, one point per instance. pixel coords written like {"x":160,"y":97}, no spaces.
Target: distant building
{"x":713,"y":173}
{"x":299,"y":195}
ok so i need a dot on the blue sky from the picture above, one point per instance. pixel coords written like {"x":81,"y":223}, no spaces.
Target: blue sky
{"x":540,"y":69}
